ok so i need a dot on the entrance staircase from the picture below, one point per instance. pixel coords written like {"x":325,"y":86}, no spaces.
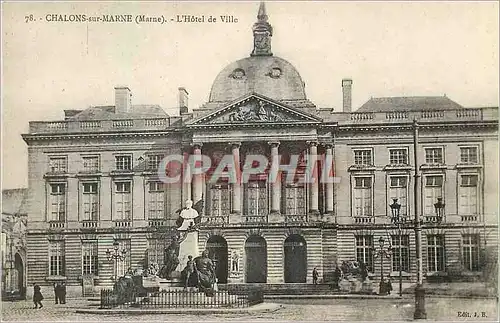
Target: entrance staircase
{"x":281,"y":289}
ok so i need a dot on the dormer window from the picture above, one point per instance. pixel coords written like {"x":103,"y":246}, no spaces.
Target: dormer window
{"x":238,"y":74}
{"x":275,"y":72}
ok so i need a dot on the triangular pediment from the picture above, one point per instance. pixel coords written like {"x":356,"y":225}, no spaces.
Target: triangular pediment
{"x":255,"y":108}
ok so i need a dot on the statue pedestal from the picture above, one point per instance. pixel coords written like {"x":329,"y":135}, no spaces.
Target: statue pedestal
{"x":188,"y":247}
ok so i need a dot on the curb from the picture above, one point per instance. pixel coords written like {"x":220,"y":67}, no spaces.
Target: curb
{"x":326,"y":296}
{"x":267,"y":307}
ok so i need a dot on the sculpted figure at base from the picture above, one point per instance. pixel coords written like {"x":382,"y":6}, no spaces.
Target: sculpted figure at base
{"x":171,"y":259}
{"x":205,"y":272}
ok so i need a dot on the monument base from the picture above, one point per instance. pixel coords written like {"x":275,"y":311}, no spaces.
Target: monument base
{"x":188,"y":247}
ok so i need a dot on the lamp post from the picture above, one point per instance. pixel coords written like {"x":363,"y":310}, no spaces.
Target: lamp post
{"x":382,"y":253}
{"x":439,"y":207}
{"x":116,"y":255}
{"x":395,"y":219}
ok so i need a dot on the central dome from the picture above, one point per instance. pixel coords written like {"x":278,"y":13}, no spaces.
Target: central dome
{"x":260,"y":73}
{"x":270,"y":76}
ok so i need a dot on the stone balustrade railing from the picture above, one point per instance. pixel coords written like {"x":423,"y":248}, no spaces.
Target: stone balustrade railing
{"x":75,"y":126}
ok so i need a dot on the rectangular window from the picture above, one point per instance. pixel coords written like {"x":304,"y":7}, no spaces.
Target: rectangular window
{"x":468,"y":192}
{"x":156,"y":201}
{"x":123,"y":266}
{"x":363,"y":196}
{"x":90,"y":201}
{"x":57,"y":202}
{"x":468,"y":155}
{"x":434,"y":156}
{"x":56,"y":258}
{"x":364,"y":251}
{"x":400,"y":252}
{"x":220,"y":200}
{"x":435,"y":253}
{"x":295,"y":200}
{"x":123,"y":162}
{"x":398,"y":157}
{"x":432,"y":191}
{"x":398,"y":189}
{"x":363,"y":157}
{"x":90,"y":164}
{"x":89,"y":257}
{"x":154,"y":161}
{"x":470,"y":251}
{"x":257,"y":198}
{"x":123,"y":198}
{"x":58,"y":164}
{"x":155,"y":251}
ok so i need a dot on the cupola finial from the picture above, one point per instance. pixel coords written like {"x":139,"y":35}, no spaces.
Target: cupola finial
{"x":262,"y":33}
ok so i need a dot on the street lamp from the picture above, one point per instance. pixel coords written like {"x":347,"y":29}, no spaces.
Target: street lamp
{"x":116,"y":255}
{"x":439,"y":207}
{"x":382,"y":253}
{"x":395,"y":209}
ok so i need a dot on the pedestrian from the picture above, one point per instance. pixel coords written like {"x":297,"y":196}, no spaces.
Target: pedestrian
{"x":62,"y":293}
{"x":389,"y":286}
{"x":37,"y":295}
{"x":315,"y":276}
{"x":56,"y":292}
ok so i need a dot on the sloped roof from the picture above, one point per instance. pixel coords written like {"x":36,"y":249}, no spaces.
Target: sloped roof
{"x":408,"y":103}
{"x":108,"y":113}
{"x":14,"y":201}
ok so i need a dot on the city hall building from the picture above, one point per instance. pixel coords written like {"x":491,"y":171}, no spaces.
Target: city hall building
{"x":93,"y":180}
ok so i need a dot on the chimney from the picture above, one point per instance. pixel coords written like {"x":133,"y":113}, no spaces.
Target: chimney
{"x":183,"y":101}
{"x":123,"y":99}
{"x":346,"y":95}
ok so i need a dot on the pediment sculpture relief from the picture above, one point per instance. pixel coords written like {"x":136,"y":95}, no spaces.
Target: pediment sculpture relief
{"x":255,"y":111}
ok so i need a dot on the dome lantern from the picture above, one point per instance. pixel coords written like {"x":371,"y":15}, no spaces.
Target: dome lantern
{"x":262,"y":33}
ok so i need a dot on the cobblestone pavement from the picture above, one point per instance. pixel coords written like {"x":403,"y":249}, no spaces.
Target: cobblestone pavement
{"x":446,"y":309}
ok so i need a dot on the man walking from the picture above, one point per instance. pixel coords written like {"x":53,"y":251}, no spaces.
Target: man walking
{"x":315,"y":276}
{"x":37,"y":295}
{"x":56,"y":292}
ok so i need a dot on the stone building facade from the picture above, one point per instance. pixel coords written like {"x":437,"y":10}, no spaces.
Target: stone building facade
{"x":93,"y":179}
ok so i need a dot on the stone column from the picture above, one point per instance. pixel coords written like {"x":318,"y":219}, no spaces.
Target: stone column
{"x":235,"y":148}
{"x":197,"y":178}
{"x":329,"y":183}
{"x":275,"y":184}
{"x":313,"y":177}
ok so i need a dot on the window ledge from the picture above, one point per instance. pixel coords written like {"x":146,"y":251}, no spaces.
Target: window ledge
{"x":55,"y":278}
{"x":436,"y":274}
{"x":121,"y":173}
{"x":55,"y":175}
{"x":81,"y":277}
{"x":398,"y":167}
{"x":396,"y":274}
{"x":433,"y":166}
{"x":465,"y":166}
{"x":361,"y":168}
{"x":89,"y":174}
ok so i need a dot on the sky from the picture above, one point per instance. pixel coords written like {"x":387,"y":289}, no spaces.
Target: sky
{"x":387,"y":48}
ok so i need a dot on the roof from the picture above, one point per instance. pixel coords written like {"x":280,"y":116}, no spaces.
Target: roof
{"x":408,"y":103}
{"x":270,"y":76}
{"x":108,"y":113}
{"x":14,"y":201}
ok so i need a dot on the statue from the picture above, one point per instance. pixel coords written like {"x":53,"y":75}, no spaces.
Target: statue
{"x":188,"y":274}
{"x":171,"y":259}
{"x":205,"y":271}
{"x":235,"y":258}
{"x":189,"y":216}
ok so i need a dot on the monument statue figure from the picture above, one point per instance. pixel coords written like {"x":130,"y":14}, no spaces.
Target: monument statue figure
{"x":189,"y":215}
{"x":205,"y":271}
{"x":171,"y":258}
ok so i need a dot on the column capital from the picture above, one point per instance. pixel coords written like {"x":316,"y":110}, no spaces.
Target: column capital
{"x":197,"y":145}
{"x":235,"y":144}
{"x":313,"y":143}
{"x":274,"y":143}
{"x":327,"y":145}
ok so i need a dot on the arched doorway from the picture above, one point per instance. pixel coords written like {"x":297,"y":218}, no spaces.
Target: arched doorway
{"x":217,"y":251}
{"x":19,"y":268}
{"x":295,"y":259}
{"x":256,"y":259}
